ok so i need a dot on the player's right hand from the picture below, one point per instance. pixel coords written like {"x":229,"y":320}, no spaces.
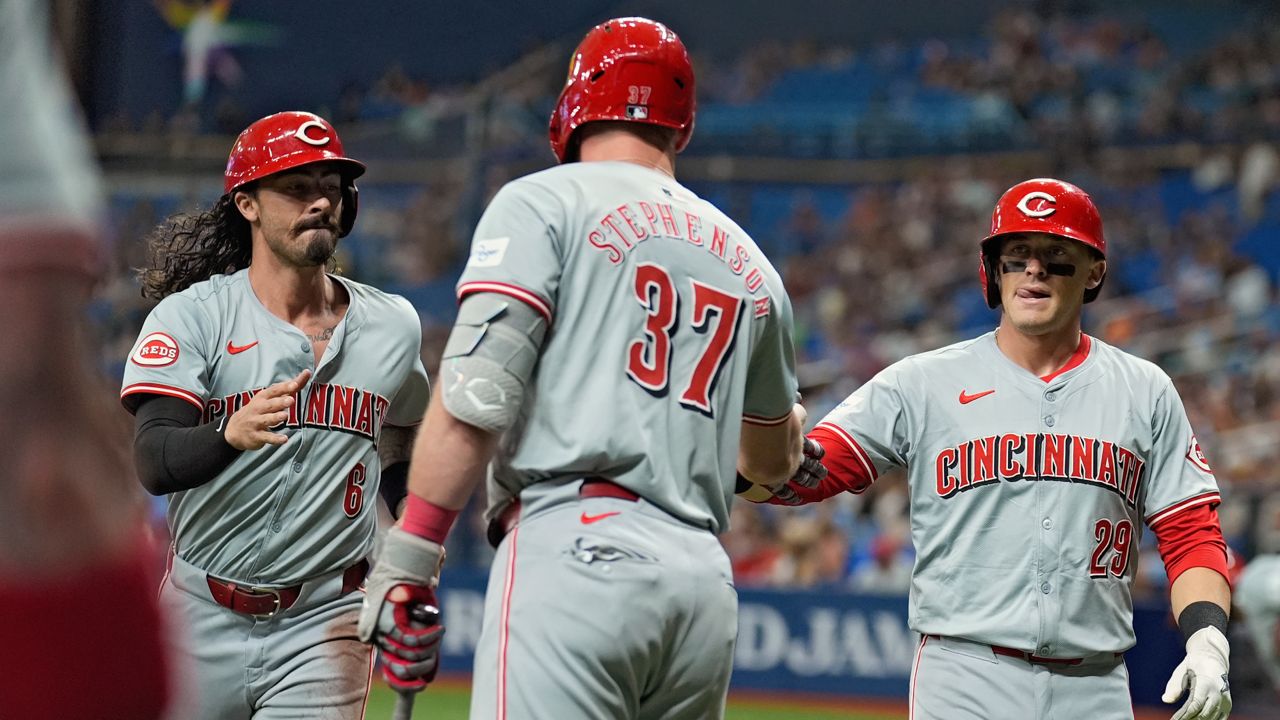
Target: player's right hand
{"x":403,"y":580}
{"x":249,"y":427}
{"x":811,"y":470}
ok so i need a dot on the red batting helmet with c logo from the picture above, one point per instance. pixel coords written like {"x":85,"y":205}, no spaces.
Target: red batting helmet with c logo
{"x":1042,"y":205}
{"x":288,"y":140}
{"x":630,"y":69}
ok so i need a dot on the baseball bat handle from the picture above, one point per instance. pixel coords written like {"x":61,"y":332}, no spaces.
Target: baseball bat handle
{"x":425,"y":614}
{"x":404,"y":706}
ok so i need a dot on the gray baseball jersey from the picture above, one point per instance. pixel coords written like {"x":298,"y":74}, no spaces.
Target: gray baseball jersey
{"x":279,"y":515}
{"x":1028,"y":494}
{"x":668,"y":328}
{"x":665,"y":318}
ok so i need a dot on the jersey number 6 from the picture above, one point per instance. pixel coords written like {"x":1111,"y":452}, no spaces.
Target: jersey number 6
{"x":715,"y":312}
{"x":353,"y":496}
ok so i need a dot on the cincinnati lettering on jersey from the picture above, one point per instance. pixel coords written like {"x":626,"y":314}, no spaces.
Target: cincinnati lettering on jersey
{"x":1039,"y":456}
{"x":630,"y":224}
{"x":319,"y":405}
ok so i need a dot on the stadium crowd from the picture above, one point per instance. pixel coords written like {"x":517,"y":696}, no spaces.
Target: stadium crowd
{"x":881,"y":270}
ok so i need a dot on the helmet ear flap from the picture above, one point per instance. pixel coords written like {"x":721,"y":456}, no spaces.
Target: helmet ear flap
{"x":350,"y":205}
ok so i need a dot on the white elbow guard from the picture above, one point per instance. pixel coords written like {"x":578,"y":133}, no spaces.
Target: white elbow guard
{"x":489,"y":359}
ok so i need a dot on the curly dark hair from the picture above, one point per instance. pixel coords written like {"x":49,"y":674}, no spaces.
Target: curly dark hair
{"x":188,"y":248}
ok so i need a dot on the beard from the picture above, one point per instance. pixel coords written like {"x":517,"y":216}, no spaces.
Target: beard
{"x":319,"y":248}
{"x":309,"y":247}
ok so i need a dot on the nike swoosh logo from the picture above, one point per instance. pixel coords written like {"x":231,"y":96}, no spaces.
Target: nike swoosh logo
{"x":237,"y":349}
{"x":966,"y":399}
{"x":588,"y":519}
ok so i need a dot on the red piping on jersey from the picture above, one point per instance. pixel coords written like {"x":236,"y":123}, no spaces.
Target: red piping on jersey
{"x":1191,"y":538}
{"x":759,"y":420}
{"x":169,"y":390}
{"x":1160,"y":516}
{"x":853,"y":445}
{"x":528,"y":297}
{"x":503,"y":627}
{"x":368,"y":683}
{"x":1077,"y":358}
{"x":915,"y":672}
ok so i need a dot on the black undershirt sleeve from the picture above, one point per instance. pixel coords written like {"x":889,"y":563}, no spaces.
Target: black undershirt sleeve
{"x":172,"y":450}
{"x":394,"y":485}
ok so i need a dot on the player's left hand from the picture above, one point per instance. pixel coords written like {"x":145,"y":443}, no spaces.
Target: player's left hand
{"x":1203,"y":674}
{"x":408,"y":637}
{"x":400,"y":614}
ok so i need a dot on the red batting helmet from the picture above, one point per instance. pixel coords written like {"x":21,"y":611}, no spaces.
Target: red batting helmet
{"x":630,"y":69}
{"x":1042,"y":205}
{"x":288,"y":140}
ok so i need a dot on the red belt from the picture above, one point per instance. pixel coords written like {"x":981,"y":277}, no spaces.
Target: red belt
{"x":266,"y":602}
{"x":1029,"y":657}
{"x":592,"y":487}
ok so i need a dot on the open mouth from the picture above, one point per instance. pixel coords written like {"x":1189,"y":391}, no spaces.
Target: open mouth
{"x":1032,"y":293}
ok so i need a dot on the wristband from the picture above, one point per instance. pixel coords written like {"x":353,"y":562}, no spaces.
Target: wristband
{"x":427,"y":520}
{"x":1200,"y":615}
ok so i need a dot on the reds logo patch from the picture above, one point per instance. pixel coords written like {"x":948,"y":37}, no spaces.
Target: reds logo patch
{"x":156,"y":350}
{"x":1196,"y":456}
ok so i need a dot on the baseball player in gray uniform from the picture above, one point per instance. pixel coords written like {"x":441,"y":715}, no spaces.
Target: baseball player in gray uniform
{"x":621,"y":347}
{"x":79,"y":625}
{"x":270,"y":401}
{"x":1257,"y":595}
{"x":1035,"y":455}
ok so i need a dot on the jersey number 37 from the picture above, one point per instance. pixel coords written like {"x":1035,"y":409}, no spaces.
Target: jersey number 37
{"x":715,"y":313}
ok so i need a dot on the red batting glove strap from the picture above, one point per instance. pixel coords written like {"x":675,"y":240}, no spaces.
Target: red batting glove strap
{"x":403,"y":685}
{"x":426,"y":519}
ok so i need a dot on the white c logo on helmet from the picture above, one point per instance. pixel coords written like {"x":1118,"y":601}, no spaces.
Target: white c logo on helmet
{"x":1049,"y":209}
{"x":301,"y":133}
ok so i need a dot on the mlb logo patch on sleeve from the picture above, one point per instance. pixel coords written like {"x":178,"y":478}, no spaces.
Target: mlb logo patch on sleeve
{"x":156,"y":350}
{"x":488,"y":253}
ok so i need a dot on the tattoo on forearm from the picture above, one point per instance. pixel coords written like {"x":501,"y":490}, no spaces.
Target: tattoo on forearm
{"x":323,"y":334}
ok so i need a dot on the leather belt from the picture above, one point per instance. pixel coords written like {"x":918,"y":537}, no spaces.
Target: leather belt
{"x":267,"y":602}
{"x":592,"y":487}
{"x":1031,"y":658}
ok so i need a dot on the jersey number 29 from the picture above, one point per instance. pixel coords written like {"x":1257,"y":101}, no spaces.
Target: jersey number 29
{"x":715,"y":313}
{"x":1116,"y":538}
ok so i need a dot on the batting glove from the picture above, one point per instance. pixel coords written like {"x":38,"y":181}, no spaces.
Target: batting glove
{"x":1203,"y":675}
{"x":400,"y":614}
{"x":811,"y":471}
